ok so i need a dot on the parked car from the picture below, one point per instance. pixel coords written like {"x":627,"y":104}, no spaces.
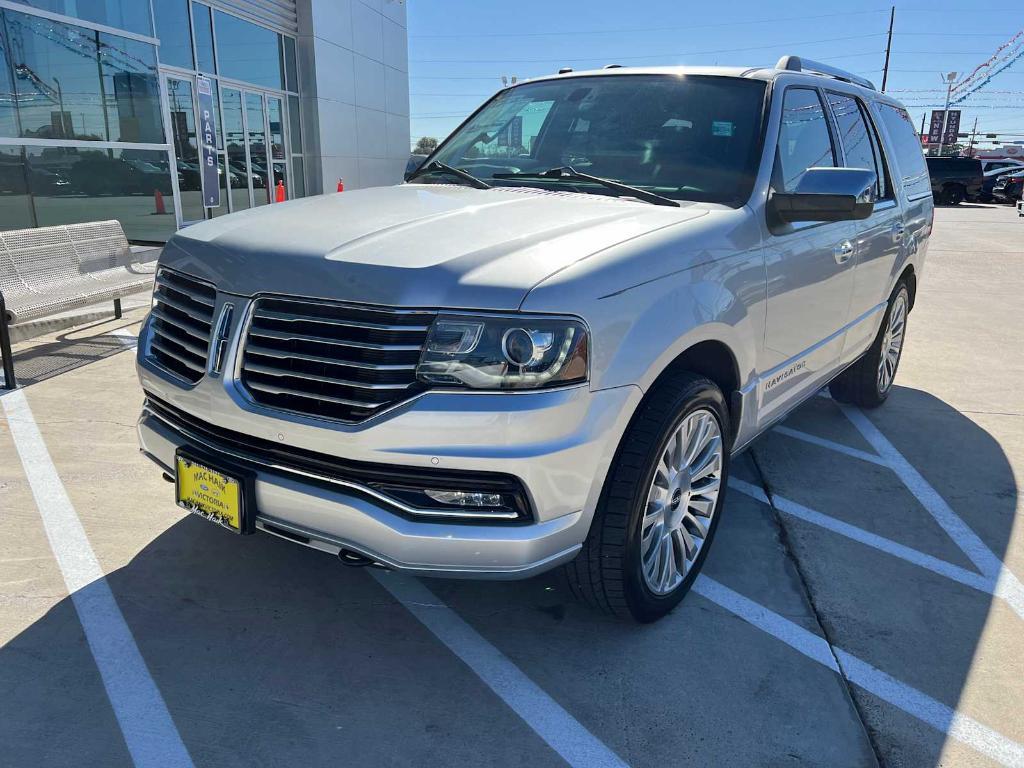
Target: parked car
{"x":1001,"y":164}
{"x":990,"y":179}
{"x":517,"y":361}
{"x":414,"y":162}
{"x":1007,"y":188}
{"x":955,"y":179}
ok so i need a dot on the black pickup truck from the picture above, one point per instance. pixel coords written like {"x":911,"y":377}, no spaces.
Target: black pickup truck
{"x":955,"y":179}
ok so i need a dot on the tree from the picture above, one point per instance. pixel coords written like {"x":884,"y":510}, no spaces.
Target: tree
{"x":425,"y":145}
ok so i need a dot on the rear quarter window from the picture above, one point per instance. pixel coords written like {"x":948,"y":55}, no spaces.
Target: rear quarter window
{"x":912,"y":172}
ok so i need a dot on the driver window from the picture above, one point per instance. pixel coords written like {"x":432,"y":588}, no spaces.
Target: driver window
{"x":804,"y":139}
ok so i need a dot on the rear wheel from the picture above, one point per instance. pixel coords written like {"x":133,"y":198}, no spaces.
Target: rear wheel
{"x":661,"y":503}
{"x":868,"y":381}
{"x":953,"y":194}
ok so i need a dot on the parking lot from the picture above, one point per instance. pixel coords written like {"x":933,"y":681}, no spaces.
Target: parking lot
{"x":859,"y":606}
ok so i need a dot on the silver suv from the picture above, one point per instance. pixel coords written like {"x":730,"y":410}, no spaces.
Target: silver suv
{"x":545,"y":346}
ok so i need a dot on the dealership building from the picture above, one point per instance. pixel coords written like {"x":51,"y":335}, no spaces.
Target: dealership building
{"x":101,"y":107}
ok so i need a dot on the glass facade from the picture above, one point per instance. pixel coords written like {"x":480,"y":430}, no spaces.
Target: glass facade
{"x":76,"y":83}
{"x":172,"y":29}
{"x":129,"y":15}
{"x":248,"y":52}
{"x":99,"y":125}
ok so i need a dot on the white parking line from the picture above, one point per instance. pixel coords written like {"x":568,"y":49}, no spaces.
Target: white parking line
{"x":912,"y":701}
{"x":149,"y":732}
{"x":1010,"y":587}
{"x":890,"y":547}
{"x":563,"y":733}
{"x":126,"y":336}
{"x":831,"y":445}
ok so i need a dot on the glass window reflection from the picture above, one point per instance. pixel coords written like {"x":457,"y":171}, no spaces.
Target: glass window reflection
{"x":76,"y":83}
{"x":15,"y":205}
{"x":248,"y":52}
{"x":257,"y":138}
{"x":73,"y":184}
{"x":131,"y":15}
{"x":234,"y":142}
{"x":173,"y":30}
{"x":202,"y":20}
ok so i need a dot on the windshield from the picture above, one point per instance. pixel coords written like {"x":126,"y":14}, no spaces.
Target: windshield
{"x":691,"y":137}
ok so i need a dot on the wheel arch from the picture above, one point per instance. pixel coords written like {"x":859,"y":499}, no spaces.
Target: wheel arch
{"x":715,"y":360}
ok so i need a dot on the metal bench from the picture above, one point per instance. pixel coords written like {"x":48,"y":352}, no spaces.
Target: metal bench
{"x":53,"y":269}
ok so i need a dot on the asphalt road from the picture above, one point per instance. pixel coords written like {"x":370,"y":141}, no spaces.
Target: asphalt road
{"x":859,"y":607}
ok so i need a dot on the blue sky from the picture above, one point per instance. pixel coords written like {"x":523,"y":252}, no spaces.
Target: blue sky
{"x":459,"y":49}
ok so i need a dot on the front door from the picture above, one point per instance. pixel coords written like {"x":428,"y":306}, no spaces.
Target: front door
{"x":809,"y":266}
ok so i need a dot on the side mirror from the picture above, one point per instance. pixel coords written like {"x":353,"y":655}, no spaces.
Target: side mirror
{"x":827,"y":194}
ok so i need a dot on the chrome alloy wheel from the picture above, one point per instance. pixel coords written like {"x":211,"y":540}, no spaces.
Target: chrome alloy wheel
{"x":892,"y":342}
{"x":681,"y":501}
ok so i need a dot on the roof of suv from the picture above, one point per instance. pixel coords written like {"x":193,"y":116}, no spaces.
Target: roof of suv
{"x":787,"y":65}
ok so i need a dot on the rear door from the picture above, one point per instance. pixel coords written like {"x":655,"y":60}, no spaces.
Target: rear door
{"x":877,"y":239}
{"x":809,"y":265}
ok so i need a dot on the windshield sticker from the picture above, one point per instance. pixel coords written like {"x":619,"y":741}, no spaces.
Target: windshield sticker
{"x":722,"y":128}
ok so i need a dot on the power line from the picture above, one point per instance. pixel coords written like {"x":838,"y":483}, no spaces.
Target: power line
{"x":620,"y":31}
{"x":646,"y":56}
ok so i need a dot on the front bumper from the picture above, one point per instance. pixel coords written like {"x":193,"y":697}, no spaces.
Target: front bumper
{"x":556,"y":444}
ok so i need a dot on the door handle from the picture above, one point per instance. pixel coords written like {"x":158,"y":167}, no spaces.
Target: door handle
{"x":898,"y":231}
{"x":843,"y":252}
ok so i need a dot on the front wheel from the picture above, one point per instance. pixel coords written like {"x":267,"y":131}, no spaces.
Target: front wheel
{"x":868,"y":381}
{"x":660,"y":505}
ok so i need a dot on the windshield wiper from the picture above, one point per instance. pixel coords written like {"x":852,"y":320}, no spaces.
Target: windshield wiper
{"x":436,"y":166}
{"x":568,"y":172}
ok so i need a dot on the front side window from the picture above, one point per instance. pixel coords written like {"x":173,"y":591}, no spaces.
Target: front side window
{"x":690,"y":137}
{"x":804,"y":139}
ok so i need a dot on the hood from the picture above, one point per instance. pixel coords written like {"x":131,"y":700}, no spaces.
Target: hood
{"x":413,"y":245}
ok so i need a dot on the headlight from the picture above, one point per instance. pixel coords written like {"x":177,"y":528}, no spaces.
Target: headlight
{"x":504,"y":352}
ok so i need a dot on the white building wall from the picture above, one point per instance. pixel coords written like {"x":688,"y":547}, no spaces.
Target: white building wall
{"x":354,"y":75}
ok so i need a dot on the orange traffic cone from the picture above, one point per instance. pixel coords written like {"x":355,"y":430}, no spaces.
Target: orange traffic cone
{"x":341,"y":185}
{"x":280,"y":192}
{"x":158,"y":201}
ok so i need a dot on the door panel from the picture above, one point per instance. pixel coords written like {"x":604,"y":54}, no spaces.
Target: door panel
{"x":878,"y":236}
{"x":878,"y":245}
{"x":809,"y":266}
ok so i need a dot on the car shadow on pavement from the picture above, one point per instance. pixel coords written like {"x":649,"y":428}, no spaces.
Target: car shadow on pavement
{"x":267,"y":653}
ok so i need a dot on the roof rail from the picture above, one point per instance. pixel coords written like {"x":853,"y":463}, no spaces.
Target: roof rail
{"x":797,"y":64}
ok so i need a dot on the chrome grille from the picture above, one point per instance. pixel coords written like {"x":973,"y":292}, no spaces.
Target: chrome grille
{"x":337,"y":361}
{"x":182,"y":318}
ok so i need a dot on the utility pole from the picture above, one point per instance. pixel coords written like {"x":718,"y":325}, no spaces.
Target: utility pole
{"x":970,"y":145}
{"x":888,"y":47}
{"x":949,"y":78}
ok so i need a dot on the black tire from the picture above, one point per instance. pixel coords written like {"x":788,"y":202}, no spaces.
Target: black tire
{"x":953,"y":194}
{"x":859,"y":384}
{"x":607,"y":573}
